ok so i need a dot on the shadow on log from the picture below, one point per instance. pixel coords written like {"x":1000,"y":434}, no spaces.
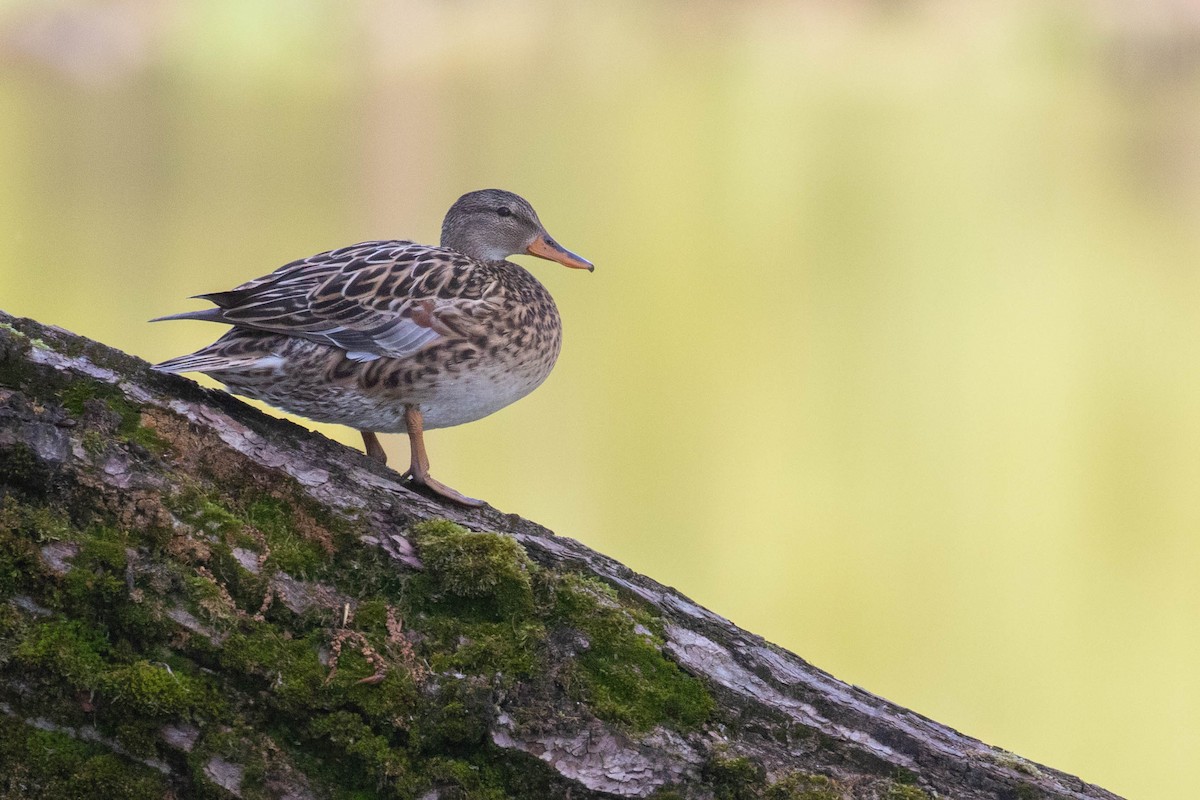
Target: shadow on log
{"x":197,"y":599}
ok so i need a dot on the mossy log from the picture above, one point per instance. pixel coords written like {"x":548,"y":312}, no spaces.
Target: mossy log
{"x":200,"y":600}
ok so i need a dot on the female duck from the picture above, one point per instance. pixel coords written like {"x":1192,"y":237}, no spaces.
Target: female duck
{"x":393,"y":336}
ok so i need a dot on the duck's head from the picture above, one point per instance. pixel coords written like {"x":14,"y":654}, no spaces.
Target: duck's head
{"x":492,"y":224}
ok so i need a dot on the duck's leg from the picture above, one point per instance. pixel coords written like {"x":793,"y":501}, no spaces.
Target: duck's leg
{"x":418,"y":469}
{"x":374,"y":448}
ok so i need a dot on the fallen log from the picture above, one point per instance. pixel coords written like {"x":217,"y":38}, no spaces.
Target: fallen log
{"x":198,"y":599}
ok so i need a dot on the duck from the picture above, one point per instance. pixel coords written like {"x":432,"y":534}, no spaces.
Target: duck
{"x":392,"y":336}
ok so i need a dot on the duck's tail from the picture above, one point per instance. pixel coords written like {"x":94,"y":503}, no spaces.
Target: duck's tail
{"x":222,"y":301}
{"x":214,"y":359}
{"x":193,"y":362}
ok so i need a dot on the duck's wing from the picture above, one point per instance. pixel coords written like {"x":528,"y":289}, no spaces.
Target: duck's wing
{"x":374,"y":299}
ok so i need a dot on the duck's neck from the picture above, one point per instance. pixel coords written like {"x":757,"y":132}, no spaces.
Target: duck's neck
{"x":471,"y":243}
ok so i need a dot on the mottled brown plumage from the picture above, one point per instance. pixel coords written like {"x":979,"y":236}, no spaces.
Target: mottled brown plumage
{"x":394,"y":336}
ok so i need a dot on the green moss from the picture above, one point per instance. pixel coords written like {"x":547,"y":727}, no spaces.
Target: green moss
{"x":294,"y":680}
{"x":477,"y":611}
{"x":480,"y":617}
{"x":13,"y":625}
{"x":142,"y":689}
{"x":371,"y":615}
{"x":288,"y":668}
{"x":1015,"y":762}
{"x":522,"y":777}
{"x":484,"y":575}
{"x":102,"y":551}
{"x":489,"y":611}
{"x":291,"y":552}
{"x":107,"y":775}
{"x":139,"y":737}
{"x":74,"y":655}
{"x":470,"y":781}
{"x":389,"y":705}
{"x":39,"y":754}
{"x":98,"y":589}
{"x":458,"y":716}
{"x":803,"y":786}
{"x":93,"y":442}
{"x":48,"y":764}
{"x":271,"y":517}
{"x":508,"y":649}
{"x":75,"y":396}
{"x":34,"y":522}
{"x":22,"y":526}
{"x":623,"y":674}
{"x":265,"y":525}
{"x":902,"y":791}
{"x":742,"y":779}
{"x":18,"y":563}
{"x":733,"y":778}
{"x":254,"y":523}
{"x":245,"y":744}
{"x":15,"y":370}
{"x":69,"y":649}
{"x":20,"y":468}
{"x":205,"y":512}
{"x":354,"y":738}
{"x":129,"y":428}
{"x":369,"y":574}
{"x":246,"y":588}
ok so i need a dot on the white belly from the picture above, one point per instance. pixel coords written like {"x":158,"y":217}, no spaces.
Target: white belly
{"x":453,"y":400}
{"x":473,"y":396}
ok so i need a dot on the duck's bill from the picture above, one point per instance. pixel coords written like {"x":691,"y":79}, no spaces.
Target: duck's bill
{"x":545,"y":247}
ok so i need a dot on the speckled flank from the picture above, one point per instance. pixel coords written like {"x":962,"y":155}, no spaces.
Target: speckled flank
{"x":458,"y":379}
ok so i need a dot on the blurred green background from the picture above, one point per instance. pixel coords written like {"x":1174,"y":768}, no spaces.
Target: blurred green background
{"x":891,"y":352}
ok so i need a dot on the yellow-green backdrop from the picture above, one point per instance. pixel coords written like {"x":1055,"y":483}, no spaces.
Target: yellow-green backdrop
{"x":892,"y":352}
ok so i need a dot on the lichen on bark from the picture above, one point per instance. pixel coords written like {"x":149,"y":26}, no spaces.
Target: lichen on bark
{"x":199,"y":600}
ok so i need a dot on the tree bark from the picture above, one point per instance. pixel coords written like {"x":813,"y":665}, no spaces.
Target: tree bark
{"x":203,"y":600}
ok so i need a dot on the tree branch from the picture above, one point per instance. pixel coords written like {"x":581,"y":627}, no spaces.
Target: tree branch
{"x":202,"y":598}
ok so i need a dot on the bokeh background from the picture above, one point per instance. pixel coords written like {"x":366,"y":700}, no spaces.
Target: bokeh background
{"x":892,"y":353}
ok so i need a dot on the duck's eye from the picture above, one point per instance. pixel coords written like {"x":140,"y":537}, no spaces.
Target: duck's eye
{"x":504,"y":211}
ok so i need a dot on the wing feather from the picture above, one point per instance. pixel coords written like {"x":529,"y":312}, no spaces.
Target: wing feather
{"x":374,"y":299}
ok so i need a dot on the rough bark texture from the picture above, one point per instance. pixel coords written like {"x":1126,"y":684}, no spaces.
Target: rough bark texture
{"x":197,"y":599}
